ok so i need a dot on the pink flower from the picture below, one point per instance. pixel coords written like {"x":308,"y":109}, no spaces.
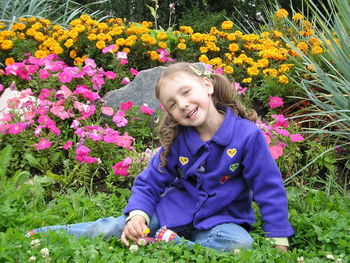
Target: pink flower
{"x":108,"y":49}
{"x":125,"y":106}
{"x":38,"y":129}
{"x":146,"y":110}
{"x":110,"y":75}
{"x":54,"y":129}
{"x":90,"y":62}
{"x":281,"y":121}
{"x":110,"y":136}
{"x":239,"y":88}
{"x":107,"y":111}
{"x":125,"y":81}
{"x":276,"y":151}
{"x":15,"y":128}
{"x":275,"y":102}
{"x":68,"y":145}
{"x":64,"y":91}
{"x":282,"y":131}
{"x":1,"y":87}
{"x":43,"y":144}
{"x":119,"y":119}
{"x":125,"y":141}
{"x":60,"y":112}
{"x":82,"y":155}
{"x":44,"y":74}
{"x":219,"y":71}
{"x":98,"y":81}
{"x":121,"y":168}
{"x":44,"y":119}
{"x":95,"y":136}
{"x":163,"y":55}
{"x":134,"y":72}
{"x":296,"y":137}
{"x":30,"y":114}
{"x":122,"y":55}
{"x":67,"y":74}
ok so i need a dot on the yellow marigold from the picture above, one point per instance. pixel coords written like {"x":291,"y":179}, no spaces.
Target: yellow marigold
{"x":7,"y":44}
{"x":147,"y":24}
{"x":100,"y":44}
{"x":162,"y":35}
{"x":92,"y":37}
{"x":162,"y":44}
{"x":126,"y":50}
{"x":73,"y":54}
{"x":227,"y":25}
{"x":262,"y":63}
{"x":283,"y":79}
{"x":196,"y":37}
{"x":80,"y":28}
{"x":47,"y":22}
{"x":204,"y":59}
{"x":102,"y":26}
{"x":303,"y":46}
{"x":186,"y":30}
{"x":22,"y":36}
{"x":282,"y":13}
{"x":215,"y":61}
{"x":247,"y":80}
{"x":228,"y":70}
{"x":153,"y":54}
{"x":277,"y":34}
{"x":30,"y":32}
{"x":252,"y":71}
{"x":203,"y":49}
{"x":56,"y":49}
{"x":84,"y":17}
{"x":237,"y":61}
{"x":40,"y":37}
{"x":69,"y":43}
{"x":229,"y":56}
{"x":265,"y":34}
{"x":317,"y":50}
{"x":9,"y":61}
{"x":314,"y":41}
{"x":270,"y":71}
{"x":181,"y":46}
{"x":211,"y":46}
{"x":23,"y":19}
{"x":31,"y":19}
{"x":37,"y":26}
{"x":18,"y":26}
{"x":311,"y":67}
{"x":298,"y":16}
{"x":231,"y":37}
{"x":233,"y":47}
{"x":40,"y":53}
{"x":75,"y":22}
{"x":120,"y":41}
{"x":284,"y":68}
{"x":306,"y":24}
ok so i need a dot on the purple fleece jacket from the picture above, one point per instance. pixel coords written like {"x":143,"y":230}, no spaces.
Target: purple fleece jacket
{"x":215,"y":182}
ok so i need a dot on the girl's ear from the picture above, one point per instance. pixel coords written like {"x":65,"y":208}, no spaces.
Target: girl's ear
{"x":209,"y":85}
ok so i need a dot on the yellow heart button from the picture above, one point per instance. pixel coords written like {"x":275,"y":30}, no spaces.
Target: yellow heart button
{"x":231,"y":152}
{"x":183,"y":160}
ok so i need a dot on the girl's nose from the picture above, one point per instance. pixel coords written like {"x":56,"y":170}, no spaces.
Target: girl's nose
{"x":182,"y":104}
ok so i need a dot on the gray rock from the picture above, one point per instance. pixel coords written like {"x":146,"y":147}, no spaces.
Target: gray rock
{"x":140,"y":90}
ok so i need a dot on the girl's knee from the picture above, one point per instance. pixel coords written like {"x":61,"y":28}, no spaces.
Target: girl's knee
{"x":107,"y":227}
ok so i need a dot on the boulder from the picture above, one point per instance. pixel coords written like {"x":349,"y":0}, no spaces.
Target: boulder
{"x":140,"y":90}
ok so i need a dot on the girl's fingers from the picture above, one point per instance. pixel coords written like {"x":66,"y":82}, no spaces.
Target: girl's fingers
{"x":124,"y":240}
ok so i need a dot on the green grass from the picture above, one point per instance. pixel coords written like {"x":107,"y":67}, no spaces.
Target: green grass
{"x":321,"y":222}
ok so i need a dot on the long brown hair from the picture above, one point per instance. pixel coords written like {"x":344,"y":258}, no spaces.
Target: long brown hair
{"x":224,"y":95}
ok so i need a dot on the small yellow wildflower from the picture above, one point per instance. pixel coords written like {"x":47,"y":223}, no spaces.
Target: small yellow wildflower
{"x":282,"y":13}
{"x":317,"y":50}
{"x":7,"y":44}
{"x":252,"y":71}
{"x":203,"y":49}
{"x":303,"y":46}
{"x":69,"y":43}
{"x":247,"y":80}
{"x":233,"y":47}
{"x":162,"y":44}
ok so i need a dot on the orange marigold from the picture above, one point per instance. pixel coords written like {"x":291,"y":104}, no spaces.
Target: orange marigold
{"x":9,"y":61}
{"x":227,"y":25}
{"x":282,"y":13}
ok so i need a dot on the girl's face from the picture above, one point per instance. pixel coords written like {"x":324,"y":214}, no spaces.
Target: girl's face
{"x":187,"y":98}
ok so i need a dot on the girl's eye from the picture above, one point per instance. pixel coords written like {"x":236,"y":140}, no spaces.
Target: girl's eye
{"x":186,"y":91}
{"x":172,"y":105}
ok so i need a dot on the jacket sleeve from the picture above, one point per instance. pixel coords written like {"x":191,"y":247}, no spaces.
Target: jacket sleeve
{"x":149,"y":185}
{"x":264,"y":178}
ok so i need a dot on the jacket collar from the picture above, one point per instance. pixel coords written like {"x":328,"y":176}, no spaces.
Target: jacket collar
{"x":223,"y":135}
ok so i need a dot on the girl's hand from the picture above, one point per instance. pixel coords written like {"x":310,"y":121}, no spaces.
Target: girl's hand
{"x":134,"y":229}
{"x":282,"y":248}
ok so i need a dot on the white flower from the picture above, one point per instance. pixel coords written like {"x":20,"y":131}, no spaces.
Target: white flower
{"x":35,"y":243}
{"x":329,"y":256}
{"x":32,"y":258}
{"x":133,"y":248}
{"x":237,"y":251}
{"x":110,"y":248}
{"x":300,"y":260}
{"x":45,"y":252}
{"x":141,"y":242}
{"x":339,"y":260}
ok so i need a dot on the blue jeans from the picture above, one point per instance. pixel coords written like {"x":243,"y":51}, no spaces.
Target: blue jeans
{"x":221,"y":237}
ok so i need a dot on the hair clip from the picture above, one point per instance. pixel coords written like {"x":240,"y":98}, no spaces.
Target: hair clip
{"x":200,"y":73}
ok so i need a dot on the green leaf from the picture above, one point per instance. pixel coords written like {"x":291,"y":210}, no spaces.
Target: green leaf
{"x":5,"y":158}
{"x":32,"y":160}
{"x":21,"y":177}
{"x":153,"y":12}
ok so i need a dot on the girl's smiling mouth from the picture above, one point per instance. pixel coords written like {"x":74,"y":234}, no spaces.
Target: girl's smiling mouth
{"x":192,"y":112}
